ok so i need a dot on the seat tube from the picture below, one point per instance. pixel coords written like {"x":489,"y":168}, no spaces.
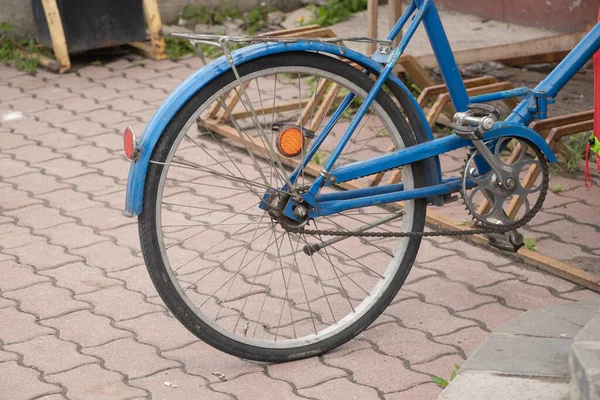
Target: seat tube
{"x":445,"y":58}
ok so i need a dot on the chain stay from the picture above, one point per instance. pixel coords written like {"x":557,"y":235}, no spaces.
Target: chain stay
{"x":484,"y":229}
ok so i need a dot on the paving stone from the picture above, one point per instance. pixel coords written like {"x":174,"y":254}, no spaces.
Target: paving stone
{"x":36,"y":183}
{"x":425,"y":391}
{"x":115,"y":168}
{"x":441,"y":367}
{"x":407,"y":344}
{"x":374,"y":369}
{"x":38,"y":217}
{"x":159,"y":330}
{"x":89,"y":154}
{"x":110,"y":140}
{"x":201,"y":359}
{"x":52,"y":397}
{"x":136,"y":279}
{"x":53,"y":115}
{"x":85,"y":328}
{"x":123,"y":85}
{"x":560,"y":251}
{"x":304,"y":373}
{"x":538,"y":277}
{"x":497,"y":387}
{"x":68,"y":200}
{"x":429,"y":252}
{"x":519,"y":295}
{"x":80,"y":105}
{"x":11,"y":198}
{"x":570,"y":232}
{"x":96,"y":184}
{"x":24,"y":383}
{"x":103,"y":116}
{"x":29,"y":105}
{"x":34,"y":154}
{"x":72,"y":235}
{"x":12,"y":236}
{"x":127,"y":235}
{"x":492,"y":315}
{"x":65,"y":168}
{"x":83,"y":128}
{"x":119,"y":303}
{"x":11,"y":93}
{"x":11,"y":168}
{"x":50,"y":354}
{"x":51,"y":92}
{"x":467,"y":339}
{"x":427,"y":317}
{"x":93,"y":382}
{"x":42,"y":255}
{"x":46,"y":300}
{"x":255,"y":386}
{"x":461,"y":269}
{"x":582,"y":295}
{"x":450,"y":294}
{"x":16,"y":276}
{"x":418,"y":273}
{"x":28,"y":329}
{"x":7,"y":356}
{"x":182,"y":386}
{"x":347,"y":348}
{"x":521,"y":355}
{"x":543,"y":217}
{"x":108,"y":256}
{"x":130,"y":358}
{"x":5,"y":303}
{"x":536,"y":323}
{"x":14,"y":140}
{"x":80,"y":278}
{"x":340,"y":389}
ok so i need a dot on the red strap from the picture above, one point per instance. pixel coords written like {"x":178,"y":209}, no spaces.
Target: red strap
{"x":586,"y":172}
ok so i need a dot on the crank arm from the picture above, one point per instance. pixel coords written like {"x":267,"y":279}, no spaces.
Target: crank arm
{"x":311,"y":249}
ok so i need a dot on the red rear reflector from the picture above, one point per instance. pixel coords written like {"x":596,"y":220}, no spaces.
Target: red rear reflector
{"x":129,"y":144}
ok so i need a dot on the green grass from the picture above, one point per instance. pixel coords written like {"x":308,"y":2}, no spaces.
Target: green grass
{"x":178,"y":48}
{"x":24,"y":54}
{"x":320,"y":157}
{"x":256,"y":19}
{"x":444,"y":383}
{"x":336,"y":11}
{"x":529,"y":244}
{"x":558,"y":189}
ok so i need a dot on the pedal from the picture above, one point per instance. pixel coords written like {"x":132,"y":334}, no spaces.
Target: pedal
{"x":473,"y":123}
{"x":509,"y":241}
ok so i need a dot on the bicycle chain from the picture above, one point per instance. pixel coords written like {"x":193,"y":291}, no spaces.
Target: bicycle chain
{"x":483,"y":230}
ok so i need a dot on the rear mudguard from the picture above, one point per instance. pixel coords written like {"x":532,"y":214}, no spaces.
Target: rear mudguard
{"x":176,"y":100}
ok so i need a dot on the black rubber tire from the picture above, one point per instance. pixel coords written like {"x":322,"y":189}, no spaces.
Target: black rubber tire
{"x":148,"y":228}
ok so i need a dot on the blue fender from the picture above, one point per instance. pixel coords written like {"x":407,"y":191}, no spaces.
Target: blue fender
{"x":176,"y":100}
{"x":521,"y":131}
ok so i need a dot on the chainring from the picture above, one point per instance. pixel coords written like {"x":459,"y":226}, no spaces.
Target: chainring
{"x":499,"y":198}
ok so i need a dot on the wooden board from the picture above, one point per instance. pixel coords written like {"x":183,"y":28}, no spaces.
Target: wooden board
{"x":57,"y":34}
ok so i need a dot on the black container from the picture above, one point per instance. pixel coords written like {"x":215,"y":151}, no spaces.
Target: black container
{"x":94,"y":24}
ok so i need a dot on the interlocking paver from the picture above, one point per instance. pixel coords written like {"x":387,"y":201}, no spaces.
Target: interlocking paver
{"x":256,"y":386}
{"x":38,"y":217}
{"x":305,"y":373}
{"x":136,"y":279}
{"x":15,"y":276}
{"x":108,"y":256}
{"x":454,"y":295}
{"x":419,"y":392}
{"x":15,"y":236}
{"x":36,"y":183}
{"x":24,"y":382}
{"x":458,"y":269}
{"x":80,"y":278}
{"x":72,"y":235}
{"x":27,"y":327}
{"x":65,"y":168}
{"x":374,"y":369}
{"x":130,"y":358}
{"x":69,"y":201}
{"x":493,"y":315}
{"x":11,"y":198}
{"x":174,"y":384}
{"x":93,"y":382}
{"x":340,"y":389}
{"x":46,"y":300}
{"x":50,"y":354}
{"x":159,"y":330}
{"x":520,"y":296}
{"x":12,"y":168}
{"x":201,"y":359}
{"x":34,"y":153}
{"x":86,"y":328}
{"x":109,"y":302}
{"x":12,"y":140}
{"x":407,"y":344}
{"x":467,"y":339}
{"x":42,"y":255}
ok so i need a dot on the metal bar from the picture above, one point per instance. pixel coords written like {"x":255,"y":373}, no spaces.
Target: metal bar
{"x":505,"y":94}
{"x":402,"y":21}
{"x":337,"y":206}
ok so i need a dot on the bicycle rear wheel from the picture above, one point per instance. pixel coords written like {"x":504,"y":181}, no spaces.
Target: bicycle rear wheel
{"x":230,"y":273}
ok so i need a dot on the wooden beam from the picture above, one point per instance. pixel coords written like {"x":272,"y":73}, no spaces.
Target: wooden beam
{"x":372,"y":6}
{"x":510,"y":51}
{"x":57,"y":34}
{"x":417,"y":72}
{"x":154,"y":22}
{"x":394,"y":14}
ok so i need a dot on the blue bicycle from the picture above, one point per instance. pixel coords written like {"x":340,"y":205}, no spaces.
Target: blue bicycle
{"x":237,"y":181}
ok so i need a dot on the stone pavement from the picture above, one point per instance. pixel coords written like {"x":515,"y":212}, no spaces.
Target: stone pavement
{"x":81,"y":319}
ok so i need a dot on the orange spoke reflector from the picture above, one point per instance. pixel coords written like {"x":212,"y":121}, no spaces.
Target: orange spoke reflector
{"x":290,"y":141}
{"x":129,"y":143}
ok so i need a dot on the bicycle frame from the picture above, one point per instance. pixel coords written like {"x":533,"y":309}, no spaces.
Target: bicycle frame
{"x":533,"y":105}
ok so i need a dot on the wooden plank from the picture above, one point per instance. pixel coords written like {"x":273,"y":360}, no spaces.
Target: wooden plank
{"x":309,"y":107}
{"x":57,"y":34}
{"x":543,"y":126}
{"x":154,"y":23}
{"x":550,"y":57}
{"x":47,"y":62}
{"x":270,"y":109}
{"x":417,"y":72}
{"x":235,"y":97}
{"x":394,"y":14}
{"x":436,"y":90}
{"x":372,"y":6}
{"x":327,"y":102}
{"x":508,"y":51}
